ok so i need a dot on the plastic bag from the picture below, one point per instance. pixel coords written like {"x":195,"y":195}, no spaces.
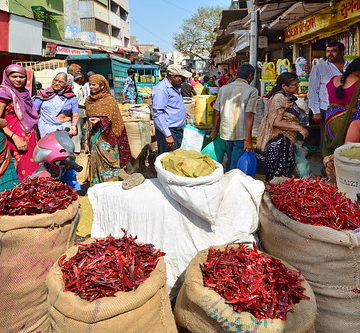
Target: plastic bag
{"x":193,"y":138}
{"x":247,"y":163}
{"x":302,"y":164}
{"x":215,"y":149}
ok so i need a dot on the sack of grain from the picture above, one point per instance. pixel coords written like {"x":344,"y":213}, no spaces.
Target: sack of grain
{"x":124,"y":109}
{"x":138,"y":132}
{"x":189,"y":106}
{"x":146,"y":309}
{"x":329,"y":259}
{"x":347,"y":167}
{"x":29,"y":246}
{"x":200,"y":309}
{"x":140,"y":111}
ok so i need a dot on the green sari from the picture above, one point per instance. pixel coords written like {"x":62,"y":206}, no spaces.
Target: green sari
{"x":104,"y":160}
{"x":8,"y":175}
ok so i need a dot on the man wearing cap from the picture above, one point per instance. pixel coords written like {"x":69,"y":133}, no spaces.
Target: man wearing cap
{"x":234,"y":111}
{"x":169,"y":109}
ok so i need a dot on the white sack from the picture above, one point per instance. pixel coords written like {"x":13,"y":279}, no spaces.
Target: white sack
{"x":150,"y":213}
{"x":201,"y":195}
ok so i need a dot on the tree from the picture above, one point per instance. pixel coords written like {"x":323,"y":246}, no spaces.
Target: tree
{"x":198,"y":33}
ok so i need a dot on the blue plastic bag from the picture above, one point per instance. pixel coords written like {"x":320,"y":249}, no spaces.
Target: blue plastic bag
{"x":302,"y":164}
{"x":247,"y":163}
{"x":215,"y":149}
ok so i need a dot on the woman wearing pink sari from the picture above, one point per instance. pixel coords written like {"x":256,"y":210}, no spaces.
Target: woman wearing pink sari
{"x":17,"y":108}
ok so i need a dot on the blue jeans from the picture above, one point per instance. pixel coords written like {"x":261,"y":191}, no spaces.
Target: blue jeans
{"x":176,"y":133}
{"x":234,"y":150}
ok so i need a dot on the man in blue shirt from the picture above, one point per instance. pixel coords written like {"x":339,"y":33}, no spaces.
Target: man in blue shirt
{"x":169,"y":109}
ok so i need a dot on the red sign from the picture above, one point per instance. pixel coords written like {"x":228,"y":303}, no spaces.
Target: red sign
{"x":50,"y":50}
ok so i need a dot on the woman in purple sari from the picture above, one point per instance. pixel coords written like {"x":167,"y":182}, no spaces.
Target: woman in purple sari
{"x":17,"y":108}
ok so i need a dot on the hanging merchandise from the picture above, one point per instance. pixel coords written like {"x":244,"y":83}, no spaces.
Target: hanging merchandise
{"x":268,"y":71}
{"x":302,"y":69}
{"x":283,"y":66}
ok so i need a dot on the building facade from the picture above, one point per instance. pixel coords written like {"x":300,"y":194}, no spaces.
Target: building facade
{"x":49,"y":12}
{"x":100,"y":22}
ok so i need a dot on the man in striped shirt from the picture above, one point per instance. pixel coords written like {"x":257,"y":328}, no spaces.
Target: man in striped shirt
{"x":319,"y":77}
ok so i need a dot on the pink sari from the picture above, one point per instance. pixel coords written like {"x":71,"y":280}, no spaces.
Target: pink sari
{"x":25,"y":165}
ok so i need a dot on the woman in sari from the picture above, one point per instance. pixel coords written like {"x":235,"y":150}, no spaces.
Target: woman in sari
{"x":107,"y":137}
{"x":343,"y":91}
{"x":278,"y":129}
{"x":58,"y":107}
{"x":17,"y":108}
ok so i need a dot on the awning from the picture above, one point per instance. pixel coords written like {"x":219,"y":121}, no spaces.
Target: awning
{"x":43,"y":9}
{"x":296,"y":12}
{"x":231,"y":15}
{"x":268,"y":13}
{"x":265,"y":2}
{"x":222,"y":41}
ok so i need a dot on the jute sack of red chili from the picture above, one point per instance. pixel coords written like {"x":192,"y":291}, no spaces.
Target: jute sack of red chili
{"x":237,"y":289}
{"x":29,"y":246}
{"x":84,"y":290}
{"x":328,"y":258}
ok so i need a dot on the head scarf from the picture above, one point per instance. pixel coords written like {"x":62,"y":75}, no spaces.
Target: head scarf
{"x":67,"y":92}
{"x":103,"y":104}
{"x":23,"y":104}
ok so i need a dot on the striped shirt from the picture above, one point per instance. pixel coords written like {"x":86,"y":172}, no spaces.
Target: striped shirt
{"x":319,"y":77}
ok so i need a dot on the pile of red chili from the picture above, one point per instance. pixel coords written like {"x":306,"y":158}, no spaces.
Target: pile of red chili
{"x":313,"y":201}
{"x":107,"y":266}
{"x":36,"y":196}
{"x":252,"y":282}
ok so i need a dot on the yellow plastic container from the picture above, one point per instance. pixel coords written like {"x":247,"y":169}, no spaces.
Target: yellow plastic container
{"x":283,"y":66}
{"x":268,"y":71}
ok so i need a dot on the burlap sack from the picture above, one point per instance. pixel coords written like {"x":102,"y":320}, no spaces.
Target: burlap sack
{"x":147,"y":309}
{"x":201,"y":310}
{"x":329,"y":260}
{"x":83,"y":159}
{"x":139,"y":134}
{"x":29,"y":246}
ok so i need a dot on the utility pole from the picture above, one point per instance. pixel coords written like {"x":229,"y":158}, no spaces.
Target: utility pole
{"x":254,"y":21}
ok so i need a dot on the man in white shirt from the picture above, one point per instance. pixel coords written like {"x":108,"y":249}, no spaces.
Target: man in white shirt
{"x":234,"y":112}
{"x":319,"y":77}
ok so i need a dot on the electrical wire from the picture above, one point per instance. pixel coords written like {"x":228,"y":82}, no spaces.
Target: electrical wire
{"x":150,"y":32}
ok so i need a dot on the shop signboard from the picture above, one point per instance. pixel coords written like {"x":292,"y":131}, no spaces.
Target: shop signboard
{"x":70,"y":51}
{"x":263,"y":42}
{"x":50,"y":50}
{"x":342,"y":11}
{"x":242,"y":41}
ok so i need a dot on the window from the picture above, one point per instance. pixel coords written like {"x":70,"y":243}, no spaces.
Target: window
{"x":123,"y":14}
{"x":101,"y":27}
{"x":115,"y":8}
{"x":115,"y":32}
{"x":126,"y":42}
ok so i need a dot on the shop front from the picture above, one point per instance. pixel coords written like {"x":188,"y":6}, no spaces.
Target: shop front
{"x":340,"y":22}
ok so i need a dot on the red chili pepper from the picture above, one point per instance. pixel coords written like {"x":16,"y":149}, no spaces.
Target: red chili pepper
{"x":36,"y":196}
{"x":253,"y":282}
{"x":103,"y":268}
{"x":313,"y":201}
